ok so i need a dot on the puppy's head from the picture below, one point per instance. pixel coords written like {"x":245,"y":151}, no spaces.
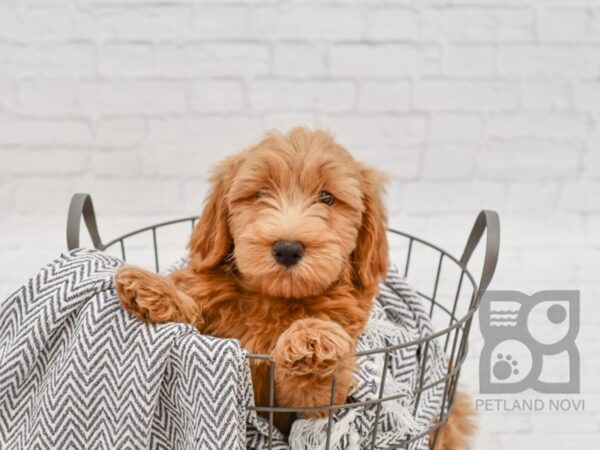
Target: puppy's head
{"x":294,"y":215}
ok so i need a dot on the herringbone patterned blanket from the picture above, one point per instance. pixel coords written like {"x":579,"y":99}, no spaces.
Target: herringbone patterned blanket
{"x":77,"y":371}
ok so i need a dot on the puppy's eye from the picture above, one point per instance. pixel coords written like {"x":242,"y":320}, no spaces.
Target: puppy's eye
{"x":326,"y":197}
{"x":264,"y":192}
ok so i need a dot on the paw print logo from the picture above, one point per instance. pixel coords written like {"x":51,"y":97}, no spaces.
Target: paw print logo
{"x":505,"y":367}
{"x":529,"y":342}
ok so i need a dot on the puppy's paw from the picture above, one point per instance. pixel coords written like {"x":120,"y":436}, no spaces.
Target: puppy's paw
{"x":315,"y":347}
{"x":152,"y":297}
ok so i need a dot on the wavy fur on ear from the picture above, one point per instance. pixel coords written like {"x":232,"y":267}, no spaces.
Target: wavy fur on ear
{"x":211,"y":239}
{"x":370,"y":257}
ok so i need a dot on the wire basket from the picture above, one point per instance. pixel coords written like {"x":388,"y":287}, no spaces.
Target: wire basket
{"x":445,"y":305}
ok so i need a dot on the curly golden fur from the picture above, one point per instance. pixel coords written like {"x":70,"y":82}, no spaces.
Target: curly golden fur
{"x":306,"y":315}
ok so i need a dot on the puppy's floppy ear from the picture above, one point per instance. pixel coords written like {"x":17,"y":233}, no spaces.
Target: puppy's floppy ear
{"x":211,"y":240}
{"x":370,"y":257}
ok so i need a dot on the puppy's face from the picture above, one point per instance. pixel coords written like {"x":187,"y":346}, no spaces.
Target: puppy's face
{"x":295,"y":212}
{"x":297,"y":209}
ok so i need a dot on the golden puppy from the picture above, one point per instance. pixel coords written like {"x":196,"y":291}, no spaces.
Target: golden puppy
{"x":286,"y":257}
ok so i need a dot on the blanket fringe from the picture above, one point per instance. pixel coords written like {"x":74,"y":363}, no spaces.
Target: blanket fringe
{"x":312,"y":433}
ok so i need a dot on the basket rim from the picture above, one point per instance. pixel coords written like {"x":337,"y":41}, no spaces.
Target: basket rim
{"x":82,"y":205}
{"x":455,"y":322}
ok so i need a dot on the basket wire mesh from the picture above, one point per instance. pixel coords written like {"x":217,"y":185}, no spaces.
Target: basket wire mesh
{"x":454,"y":335}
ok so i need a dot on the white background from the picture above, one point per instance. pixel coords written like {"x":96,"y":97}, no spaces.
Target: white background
{"x":468,"y":104}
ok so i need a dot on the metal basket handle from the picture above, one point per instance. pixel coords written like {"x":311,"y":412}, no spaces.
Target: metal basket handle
{"x":486,"y":220}
{"x":81,"y":205}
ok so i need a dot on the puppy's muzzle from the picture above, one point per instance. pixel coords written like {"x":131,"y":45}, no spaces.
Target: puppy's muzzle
{"x":288,"y":253}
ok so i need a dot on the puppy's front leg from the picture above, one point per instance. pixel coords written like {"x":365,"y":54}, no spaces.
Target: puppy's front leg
{"x":154,"y":298}
{"x":307,"y":356}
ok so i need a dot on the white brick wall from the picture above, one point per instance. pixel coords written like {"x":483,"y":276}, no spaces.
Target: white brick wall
{"x":468,"y":104}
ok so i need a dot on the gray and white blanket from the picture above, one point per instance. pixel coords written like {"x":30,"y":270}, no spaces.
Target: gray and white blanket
{"x":77,"y":371}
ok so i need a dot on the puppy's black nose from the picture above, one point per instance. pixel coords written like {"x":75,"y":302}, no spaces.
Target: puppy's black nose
{"x":288,"y":253}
